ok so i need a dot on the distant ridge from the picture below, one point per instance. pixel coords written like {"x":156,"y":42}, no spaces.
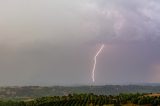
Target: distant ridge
{"x":38,"y":91}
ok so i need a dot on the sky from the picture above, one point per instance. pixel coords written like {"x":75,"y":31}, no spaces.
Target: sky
{"x":53,"y":42}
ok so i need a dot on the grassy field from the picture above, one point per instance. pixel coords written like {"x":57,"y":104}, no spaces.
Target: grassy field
{"x":154,"y":94}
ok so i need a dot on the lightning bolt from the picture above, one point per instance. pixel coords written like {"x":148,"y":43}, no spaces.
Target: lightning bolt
{"x":95,"y":62}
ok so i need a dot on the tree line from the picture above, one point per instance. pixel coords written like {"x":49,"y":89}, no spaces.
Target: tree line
{"x":86,"y":100}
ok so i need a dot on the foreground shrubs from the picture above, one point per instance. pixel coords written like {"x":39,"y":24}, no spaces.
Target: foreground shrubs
{"x":86,"y":100}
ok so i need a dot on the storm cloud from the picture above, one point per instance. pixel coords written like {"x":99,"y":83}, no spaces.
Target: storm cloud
{"x":53,"y":42}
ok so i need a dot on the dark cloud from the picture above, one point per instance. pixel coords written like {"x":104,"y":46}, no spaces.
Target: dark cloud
{"x":126,"y":20}
{"x":53,"y":42}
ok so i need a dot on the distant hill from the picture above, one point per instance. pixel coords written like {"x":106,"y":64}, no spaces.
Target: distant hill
{"x":37,"y":91}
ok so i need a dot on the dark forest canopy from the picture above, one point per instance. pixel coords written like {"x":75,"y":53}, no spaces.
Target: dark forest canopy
{"x":87,"y":100}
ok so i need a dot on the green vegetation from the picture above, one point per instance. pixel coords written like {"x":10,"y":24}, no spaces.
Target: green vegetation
{"x":109,"y":95}
{"x":37,"y":91}
{"x":88,"y":100}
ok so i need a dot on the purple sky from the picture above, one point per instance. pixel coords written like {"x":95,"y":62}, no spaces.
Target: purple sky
{"x":53,"y":42}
